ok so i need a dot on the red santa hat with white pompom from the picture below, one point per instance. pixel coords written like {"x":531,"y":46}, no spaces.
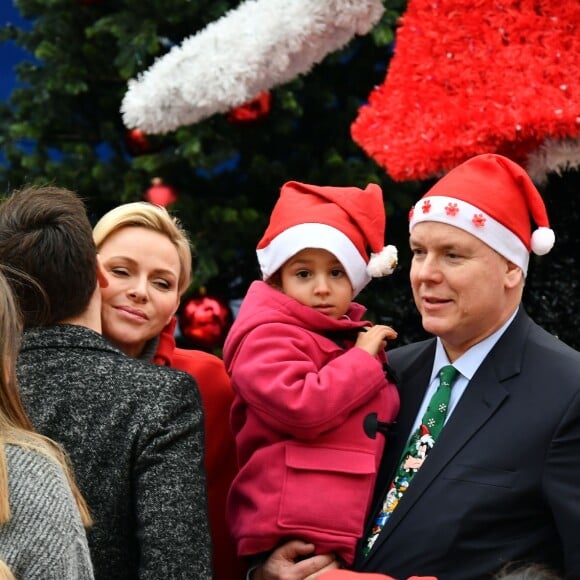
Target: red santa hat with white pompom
{"x":346,"y":221}
{"x":494,"y":199}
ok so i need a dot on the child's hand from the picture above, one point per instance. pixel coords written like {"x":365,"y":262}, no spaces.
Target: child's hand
{"x":374,"y":338}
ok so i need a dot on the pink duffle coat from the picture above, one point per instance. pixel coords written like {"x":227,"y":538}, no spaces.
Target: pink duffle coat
{"x":307,"y":466}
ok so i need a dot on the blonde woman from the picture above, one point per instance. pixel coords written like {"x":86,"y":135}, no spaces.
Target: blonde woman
{"x":41,"y":510}
{"x":146,"y":257}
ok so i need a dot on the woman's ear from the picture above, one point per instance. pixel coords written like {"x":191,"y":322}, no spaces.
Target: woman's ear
{"x":101,"y":276}
{"x":178,"y":302}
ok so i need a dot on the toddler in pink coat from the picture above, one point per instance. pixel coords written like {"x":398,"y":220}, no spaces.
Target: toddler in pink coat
{"x":309,"y":374}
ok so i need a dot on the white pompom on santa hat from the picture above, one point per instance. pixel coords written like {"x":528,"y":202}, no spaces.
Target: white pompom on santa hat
{"x":494,"y":199}
{"x":345,"y":221}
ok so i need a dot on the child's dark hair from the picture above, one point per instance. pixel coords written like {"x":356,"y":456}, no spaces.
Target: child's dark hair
{"x":519,"y":571}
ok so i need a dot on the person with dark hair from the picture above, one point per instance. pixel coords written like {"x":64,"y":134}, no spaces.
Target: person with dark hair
{"x":500,"y":482}
{"x":517,"y":571}
{"x":133,"y":430}
{"x":310,"y":374}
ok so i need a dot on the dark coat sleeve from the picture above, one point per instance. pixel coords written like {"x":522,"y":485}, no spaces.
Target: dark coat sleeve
{"x":170,"y":487}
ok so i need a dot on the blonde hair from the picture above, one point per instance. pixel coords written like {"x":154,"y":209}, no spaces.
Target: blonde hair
{"x":15,"y":426}
{"x":153,"y":217}
{"x":5,"y":572}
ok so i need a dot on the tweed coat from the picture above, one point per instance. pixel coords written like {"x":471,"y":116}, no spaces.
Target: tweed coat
{"x":134,"y":433}
{"x":44,"y":538}
{"x":502,"y":483}
{"x":221,"y":464}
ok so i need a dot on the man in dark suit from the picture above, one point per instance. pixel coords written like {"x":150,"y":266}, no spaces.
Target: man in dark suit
{"x":501,"y":483}
{"x":133,"y":430}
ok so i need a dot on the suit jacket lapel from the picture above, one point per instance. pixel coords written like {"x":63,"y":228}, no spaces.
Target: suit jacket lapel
{"x":484,"y":394}
{"x":412,"y":382}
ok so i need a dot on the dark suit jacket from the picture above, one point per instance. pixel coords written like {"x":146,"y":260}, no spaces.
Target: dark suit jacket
{"x":134,"y":433}
{"x":503,"y":480}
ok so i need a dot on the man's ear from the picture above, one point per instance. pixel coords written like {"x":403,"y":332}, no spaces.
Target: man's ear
{"x":101,"y":277}
{"x":514,"y":275}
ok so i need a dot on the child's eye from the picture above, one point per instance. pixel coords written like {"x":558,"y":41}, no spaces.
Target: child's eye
{"x":336,"y":273}
{"x":302,"y":274}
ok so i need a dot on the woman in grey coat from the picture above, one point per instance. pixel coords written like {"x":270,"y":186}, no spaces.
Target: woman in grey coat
{"x":41,"y":518}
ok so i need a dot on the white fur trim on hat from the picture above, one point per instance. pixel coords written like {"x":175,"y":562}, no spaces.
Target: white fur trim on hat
{"x":463,"y":215}
{"x":383,"y":263}
{"x":309,"y":235}
{"x":543,"y":240}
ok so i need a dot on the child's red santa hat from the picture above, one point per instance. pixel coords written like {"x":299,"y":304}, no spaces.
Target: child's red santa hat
{"x":345,"y":221}
{"x":494,"y":199}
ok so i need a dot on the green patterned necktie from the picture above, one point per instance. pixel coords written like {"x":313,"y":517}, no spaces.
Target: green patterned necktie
{"x":416,"y":451}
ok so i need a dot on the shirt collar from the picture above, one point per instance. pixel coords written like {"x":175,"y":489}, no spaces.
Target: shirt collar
{"x":468,"y":363}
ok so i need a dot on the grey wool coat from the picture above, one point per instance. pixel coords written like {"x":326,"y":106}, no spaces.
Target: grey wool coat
{"x":134,"y":433}
{"x":44,"y":538}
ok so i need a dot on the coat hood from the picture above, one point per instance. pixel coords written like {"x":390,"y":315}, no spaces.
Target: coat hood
{"x":264,"y":304}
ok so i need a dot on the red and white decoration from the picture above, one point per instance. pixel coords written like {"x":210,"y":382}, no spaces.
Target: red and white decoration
{"x":257,"y":46}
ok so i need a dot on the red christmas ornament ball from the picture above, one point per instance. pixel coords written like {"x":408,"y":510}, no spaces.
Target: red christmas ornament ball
{"x":258,"y":108}
{"x":160,"y":194}
{"x":204,"y":321}
{"x":137,"y":142}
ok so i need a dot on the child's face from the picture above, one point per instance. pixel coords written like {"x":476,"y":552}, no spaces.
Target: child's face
{"x":317,"y":279}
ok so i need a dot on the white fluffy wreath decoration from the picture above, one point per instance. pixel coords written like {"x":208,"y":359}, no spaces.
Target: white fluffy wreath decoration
{"x":255,"y":47}
{"x":554,"y":155}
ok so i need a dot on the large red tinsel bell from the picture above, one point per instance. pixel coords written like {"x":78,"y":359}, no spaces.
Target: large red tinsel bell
{"x":159,"y":193}
{"x":204,"y":321}
{"x":502,"y":77}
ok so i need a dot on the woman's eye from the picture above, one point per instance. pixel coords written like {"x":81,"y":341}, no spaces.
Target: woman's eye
{"x":164,"y":284}
{"x":120,"y":271}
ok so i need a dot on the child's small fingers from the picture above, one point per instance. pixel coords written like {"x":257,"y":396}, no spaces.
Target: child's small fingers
{"x":387,"y":331}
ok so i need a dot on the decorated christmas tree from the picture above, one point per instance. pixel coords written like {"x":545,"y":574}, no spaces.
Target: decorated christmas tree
{"x":92,"y":83}
{"x":64,"y":124}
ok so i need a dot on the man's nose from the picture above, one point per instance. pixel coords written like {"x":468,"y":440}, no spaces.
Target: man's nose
{"x":428,"y":268}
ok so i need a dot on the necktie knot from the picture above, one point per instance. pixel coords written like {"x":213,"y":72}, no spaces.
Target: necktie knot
{"x":447,"y":376}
